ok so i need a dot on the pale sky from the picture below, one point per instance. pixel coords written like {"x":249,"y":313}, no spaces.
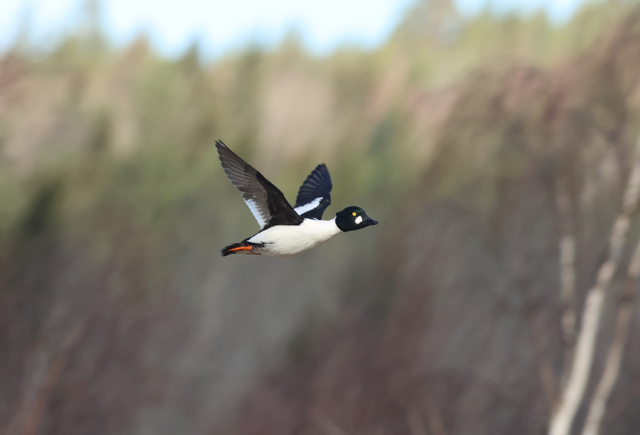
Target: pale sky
{"x":221,"y":25}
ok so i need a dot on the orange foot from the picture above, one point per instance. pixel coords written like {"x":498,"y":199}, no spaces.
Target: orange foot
{"x":241,"y":248}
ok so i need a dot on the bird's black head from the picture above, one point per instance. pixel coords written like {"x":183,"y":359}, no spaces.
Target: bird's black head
{"x":353,"y":218}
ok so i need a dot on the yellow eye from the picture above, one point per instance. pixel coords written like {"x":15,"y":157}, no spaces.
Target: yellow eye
{"x":354,"y":213}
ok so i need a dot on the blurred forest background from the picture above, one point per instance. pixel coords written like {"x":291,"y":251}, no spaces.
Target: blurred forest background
{"x":495,"y":151}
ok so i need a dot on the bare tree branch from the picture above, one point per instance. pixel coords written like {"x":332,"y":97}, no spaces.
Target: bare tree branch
{"x":542,"y":354}
{"x":616,"y":350}
{"x":573,"y":392}
{"x":35,"y":404}
{"x":434,"y":418}
{"x":414,"y":421}
{"x":567,"y":248}
{"x":327,"y":426}
{"x":567,"y":264}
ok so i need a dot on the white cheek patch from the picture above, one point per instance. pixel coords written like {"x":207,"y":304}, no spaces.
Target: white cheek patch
{"x":359,"y":219}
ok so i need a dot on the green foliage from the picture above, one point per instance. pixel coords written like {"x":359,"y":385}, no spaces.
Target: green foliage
{"x":139,"y":118}
{"x":144,"y":125}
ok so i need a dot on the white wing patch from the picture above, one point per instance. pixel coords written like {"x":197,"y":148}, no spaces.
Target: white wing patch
{"x":308,"y":207}
{"x":358,"y":219}
{"x":256,"y":213}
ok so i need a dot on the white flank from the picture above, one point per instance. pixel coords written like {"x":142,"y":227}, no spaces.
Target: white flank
{"x":288,"y":240}
{"x":308,"y":207}
{"x":254,"y":210}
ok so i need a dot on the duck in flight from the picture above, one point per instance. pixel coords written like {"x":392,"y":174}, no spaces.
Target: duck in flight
{"x":285,"y":230}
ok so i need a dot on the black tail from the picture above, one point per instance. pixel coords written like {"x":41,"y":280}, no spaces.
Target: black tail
{"x":236,"y":248}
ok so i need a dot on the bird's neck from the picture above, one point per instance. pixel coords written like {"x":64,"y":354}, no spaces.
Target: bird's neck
{"x":326,"y":229}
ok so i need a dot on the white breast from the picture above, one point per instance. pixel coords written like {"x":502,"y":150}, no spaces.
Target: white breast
{"x":288,"y":240}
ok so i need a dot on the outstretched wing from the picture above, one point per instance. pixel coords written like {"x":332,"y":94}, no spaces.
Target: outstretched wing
{"x":314,"y":195}
{"x":266,"y":201}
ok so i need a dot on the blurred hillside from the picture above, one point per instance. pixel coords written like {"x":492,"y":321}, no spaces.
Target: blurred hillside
{"x":478,"y":143}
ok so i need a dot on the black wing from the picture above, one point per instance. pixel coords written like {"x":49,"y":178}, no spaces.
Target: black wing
{"x":266,"y":201}
{"x":314,"y":195}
